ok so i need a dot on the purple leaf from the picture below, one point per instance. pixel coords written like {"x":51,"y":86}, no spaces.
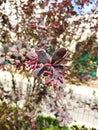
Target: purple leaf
{"x":58,"y":55}
{"x":43,"y":57}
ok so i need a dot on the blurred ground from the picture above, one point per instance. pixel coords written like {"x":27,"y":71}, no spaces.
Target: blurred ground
{"x":82,"y":103}
{"x":81,"y":97}
{"x":91,"y":82}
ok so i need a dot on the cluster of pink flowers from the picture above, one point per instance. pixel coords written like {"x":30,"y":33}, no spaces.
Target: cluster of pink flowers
{"x":54,"y":73}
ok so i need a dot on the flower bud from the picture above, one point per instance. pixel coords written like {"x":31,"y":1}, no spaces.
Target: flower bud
{"x":45,"y":73}
{"x":55,"y":83}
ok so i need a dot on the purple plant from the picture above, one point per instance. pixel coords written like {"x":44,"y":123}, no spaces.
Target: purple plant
{"x":47,"y":71}
{"x":47,"y":66}
{"x":50,"y":69}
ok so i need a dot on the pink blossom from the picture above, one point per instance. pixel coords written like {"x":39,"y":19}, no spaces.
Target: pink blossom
{"x":47,"y":73}
{"x":32,"y":66}
{"x":48,"y":82}
{"x":60,"y":79}
{"x":55,"y":83}
{"x":48,"y":65}
{"x":35,"y":66}
{"x":33,"y":124}
{"x":63,"y":73}
{"x":34,"y":58}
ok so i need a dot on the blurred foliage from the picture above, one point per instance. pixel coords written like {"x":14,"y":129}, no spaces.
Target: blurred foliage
{"x":13,"y":118}
{"x":85,"y":59}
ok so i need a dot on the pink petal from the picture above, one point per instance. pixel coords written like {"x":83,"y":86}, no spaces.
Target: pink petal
{"x":47,"y":73}
{"x":33,"y":124}
{"x":34,"y":58}
{"x":31,"y":62}
{"x":32,"y":67}
{"x":48,"y":82}
{"x":35,"y":66}
{"x":55,"y":83}
{"x":48,"y":65}
{"x":60,"y":79}
{"x":63,"y":73}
